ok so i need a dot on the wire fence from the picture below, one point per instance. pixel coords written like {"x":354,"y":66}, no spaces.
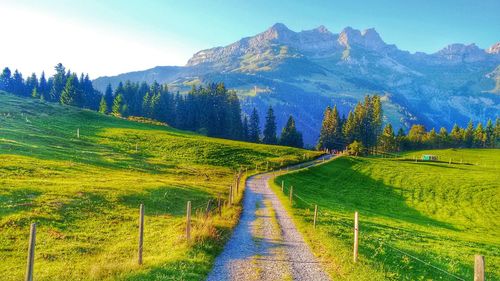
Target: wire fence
{"x":339,"y":220}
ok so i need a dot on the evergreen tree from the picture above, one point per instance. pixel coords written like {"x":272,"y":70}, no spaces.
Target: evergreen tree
{"x":6,"y":80}
{"x":416,"y":135}
{"x":246,"y":133}
{"x":490,"y":134}
{"x":43,"y":88}
{"x":468,"y":136}
{"x":103,"y":106}
{"x":431,"y":139}
{"x":401,"y":142}
{"x":254,"y":127}
{"x":71,"y":94}
{"x":326,"y":133}
{"x":348,"y":129}
{"x":443,"y":138}
{"x":290,"y":136}
{"x":270,"y":128}
{"x":456,"y":136}
{"x":387,"y":141}
{"x":58,"y":83}
{"x":117,"y":108}
{"x":479,"y":139}
{"x":337,"y":137}
{"x":497,"y":132}
{"x":108,"y":99}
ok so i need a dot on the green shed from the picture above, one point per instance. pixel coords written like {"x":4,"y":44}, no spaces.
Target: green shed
{"x":428,"y":157}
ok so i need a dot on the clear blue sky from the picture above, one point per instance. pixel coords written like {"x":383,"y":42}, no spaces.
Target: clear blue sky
{"x":110,"y":37}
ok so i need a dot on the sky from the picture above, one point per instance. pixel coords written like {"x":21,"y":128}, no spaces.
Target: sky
{"x":108,"y":37}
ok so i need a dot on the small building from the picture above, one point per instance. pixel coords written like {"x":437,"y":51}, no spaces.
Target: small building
{"x":428,"y":157}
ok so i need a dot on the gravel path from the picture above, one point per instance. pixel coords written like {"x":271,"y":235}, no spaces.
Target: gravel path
{"x":265,"y":244}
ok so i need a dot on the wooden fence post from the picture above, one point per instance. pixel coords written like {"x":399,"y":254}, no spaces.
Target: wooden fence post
{"x":479,"y":268}
{"x":31,"y":253}
{"x":315,"y":215}
{"x":141,"y":232}
{"x":231,"y":195}
{"x":219,"y":206}
{"x":282,"y":186}
{"x":450,"y":161}
{"x":207,"y":210}
{"x":188,"y":221}
{"x":356,"y":230}
{"x":291,"y":195}
{"x":78,"y":133}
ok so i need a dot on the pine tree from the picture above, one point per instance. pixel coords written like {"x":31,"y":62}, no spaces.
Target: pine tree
{"x":490,"y":134}
{"x":348,"y":129}
{"x":337,"y":137}
{"x":254,"y":127}
{"x":456,"y":136}
{"x":468,"y":136}
{"x":416,"y":135}
{"x":401,"y":142}
{"x":117,"y":105}
{"x":43,"y":88}
{"x":103,"y":106}
{"x":58,"y":83}
{"x":108,"y":98}
{"x":270,"y":128}
{"x":290,"y":136}
{"x":431,"y":139}
{"x":246,"y":134}
{"x":387,"y":140}
{"x":326,"y":133}
{"x":497,"y":132}
{"x":71,"y":94}
{"x":479,"y":138}
{"x":6,"y":80}
{"x":443,"y":138}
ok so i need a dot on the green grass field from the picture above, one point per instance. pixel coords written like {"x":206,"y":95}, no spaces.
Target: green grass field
{"x":439,"y":213}
{"x":84,"y":193}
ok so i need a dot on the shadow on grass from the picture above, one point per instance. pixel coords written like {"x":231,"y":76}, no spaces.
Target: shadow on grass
{"x":357,"y":192}
{"x":169,"y":200}
{"x":17,"y":201}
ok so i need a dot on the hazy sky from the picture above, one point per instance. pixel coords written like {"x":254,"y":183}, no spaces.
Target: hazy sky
{"x":111,"y":37}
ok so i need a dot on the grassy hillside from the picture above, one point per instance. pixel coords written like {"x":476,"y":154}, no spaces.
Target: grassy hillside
{"x":439,"y":213}
{"x":84,"y":193}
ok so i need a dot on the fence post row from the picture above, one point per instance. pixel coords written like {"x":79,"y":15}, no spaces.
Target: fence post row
{"x":188,"y":221}
{"x":291,"y":195}
{"x":141,"y":232}
{"x":356,"y":230}
{"x":31,"y":253}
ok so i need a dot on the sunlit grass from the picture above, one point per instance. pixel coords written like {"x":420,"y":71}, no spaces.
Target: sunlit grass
{"x":84,"y":193}
{"x":440,"y":213}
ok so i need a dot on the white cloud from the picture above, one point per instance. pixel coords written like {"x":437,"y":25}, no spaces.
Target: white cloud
{"x":32,"y":41}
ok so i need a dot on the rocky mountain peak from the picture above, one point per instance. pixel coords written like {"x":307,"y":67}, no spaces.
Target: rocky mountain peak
{"x":461,"y":53}
{"x":494,"y":49}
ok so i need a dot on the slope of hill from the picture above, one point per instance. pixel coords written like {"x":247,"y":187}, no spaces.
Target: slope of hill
{"x":440,"y":213}
{"x":84,"y":193}
{"x":300,"y":73}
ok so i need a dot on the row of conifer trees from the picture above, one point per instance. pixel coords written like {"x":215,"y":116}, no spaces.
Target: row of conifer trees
{"x":362,"y":129}
{"x":212,"y":110}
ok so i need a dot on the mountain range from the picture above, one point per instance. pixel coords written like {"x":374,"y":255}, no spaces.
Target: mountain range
{"x":300,"y":73}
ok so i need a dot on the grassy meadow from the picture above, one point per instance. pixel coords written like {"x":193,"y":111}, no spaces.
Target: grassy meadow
{"x":417,"y":219}
{"x":84,"y":193}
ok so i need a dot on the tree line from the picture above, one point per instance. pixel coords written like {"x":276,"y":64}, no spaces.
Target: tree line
{"x":212,"y":110}
{"x":362,"y":131}
{"x":64,"y":86}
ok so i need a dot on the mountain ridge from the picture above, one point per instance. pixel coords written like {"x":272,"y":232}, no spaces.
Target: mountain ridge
{"x":300,"y":73}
